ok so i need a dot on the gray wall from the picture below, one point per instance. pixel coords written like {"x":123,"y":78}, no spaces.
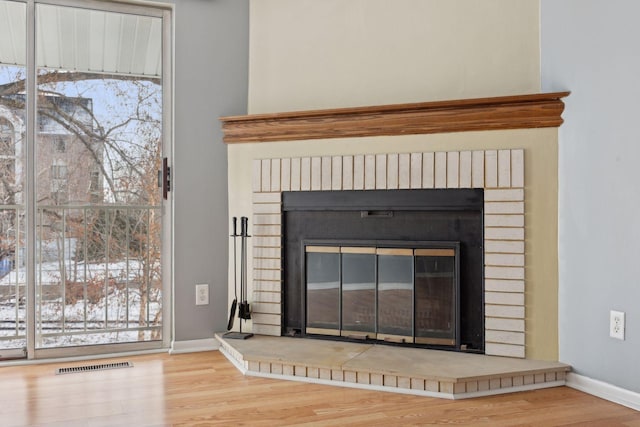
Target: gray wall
{"x":591,"y":48}
{"x":211,"y":75}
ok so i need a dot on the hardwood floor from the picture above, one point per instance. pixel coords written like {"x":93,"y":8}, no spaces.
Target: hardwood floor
{"x":202,"y":389}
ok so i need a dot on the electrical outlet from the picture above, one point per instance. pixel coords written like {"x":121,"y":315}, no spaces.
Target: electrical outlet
{"x":202,"y":294}
{"x":616,"y":324}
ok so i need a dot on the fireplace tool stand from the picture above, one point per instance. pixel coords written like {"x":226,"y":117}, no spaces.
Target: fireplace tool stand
{"x":244,"y":310}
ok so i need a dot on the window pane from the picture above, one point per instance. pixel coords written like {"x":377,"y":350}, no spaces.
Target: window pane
{"x":12,"y":177}
{"x":98,"y":150}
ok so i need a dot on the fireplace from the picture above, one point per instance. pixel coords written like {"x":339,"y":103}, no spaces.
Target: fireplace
{"x":464,"y":143}
{"x":499,"y":174}
{"x":403,"y":266}
{"x":390,"y":149}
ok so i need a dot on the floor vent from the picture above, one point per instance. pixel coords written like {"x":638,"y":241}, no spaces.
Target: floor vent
{"x":91,"y":368}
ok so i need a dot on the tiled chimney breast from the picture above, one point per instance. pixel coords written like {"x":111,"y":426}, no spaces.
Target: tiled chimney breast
{"x":499,"y":172}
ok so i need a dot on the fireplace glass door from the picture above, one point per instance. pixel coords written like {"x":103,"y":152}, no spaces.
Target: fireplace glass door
{"x":401,"y":295}
{"x":435,"y":296}
{"x":323,"y":290}
{"x":395,"y":295}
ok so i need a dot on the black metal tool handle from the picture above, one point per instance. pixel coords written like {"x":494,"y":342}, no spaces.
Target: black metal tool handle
{"x":244,"y":312}
{"x":244,"y":223}
{"x":235,"y":227}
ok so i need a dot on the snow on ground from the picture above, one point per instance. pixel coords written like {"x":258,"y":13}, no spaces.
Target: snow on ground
{"x":49,"y":273}
{"x":84,"y":323}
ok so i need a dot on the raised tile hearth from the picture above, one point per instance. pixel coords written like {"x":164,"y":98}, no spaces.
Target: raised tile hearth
{"x":432,"y":373}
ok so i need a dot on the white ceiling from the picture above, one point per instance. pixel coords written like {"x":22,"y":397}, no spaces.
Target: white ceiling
{"x":83,"y":40}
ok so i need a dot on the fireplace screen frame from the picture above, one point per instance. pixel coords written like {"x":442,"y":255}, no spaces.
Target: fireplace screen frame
{"x":400,"y":215}
{"x":377,"y":249}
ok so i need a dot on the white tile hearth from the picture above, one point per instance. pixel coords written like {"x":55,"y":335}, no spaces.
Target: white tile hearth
{"x":433,"y":373}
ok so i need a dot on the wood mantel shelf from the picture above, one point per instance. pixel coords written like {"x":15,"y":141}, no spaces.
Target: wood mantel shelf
{"x":505,"y":112}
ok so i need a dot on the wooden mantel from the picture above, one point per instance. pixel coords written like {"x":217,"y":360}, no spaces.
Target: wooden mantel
{"x":505,"y":112}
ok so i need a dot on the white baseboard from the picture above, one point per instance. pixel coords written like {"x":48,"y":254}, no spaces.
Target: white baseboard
{"x":193,"y":346}
{"x":604,"y":390}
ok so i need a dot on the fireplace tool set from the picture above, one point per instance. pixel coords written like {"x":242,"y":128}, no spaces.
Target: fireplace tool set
{"x":243,"y":308}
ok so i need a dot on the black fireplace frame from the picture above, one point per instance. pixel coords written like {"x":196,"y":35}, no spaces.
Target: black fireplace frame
{"x":380,"y":206}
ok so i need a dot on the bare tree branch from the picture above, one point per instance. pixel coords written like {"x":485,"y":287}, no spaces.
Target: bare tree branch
{"x":57,"y":76}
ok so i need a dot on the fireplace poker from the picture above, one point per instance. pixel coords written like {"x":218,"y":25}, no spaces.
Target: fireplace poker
{"x":234,"y":304}
{"x":244,"y":311}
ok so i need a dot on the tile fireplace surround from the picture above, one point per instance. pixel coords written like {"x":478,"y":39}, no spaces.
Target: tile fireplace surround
{"x":499,"y":172}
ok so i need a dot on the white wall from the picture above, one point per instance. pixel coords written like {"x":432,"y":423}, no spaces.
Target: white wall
{"x":591,"y":48}
{"x":310,"y":54}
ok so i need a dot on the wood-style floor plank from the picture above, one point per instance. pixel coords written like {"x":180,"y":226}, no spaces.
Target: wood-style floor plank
{"x":204,"y":389}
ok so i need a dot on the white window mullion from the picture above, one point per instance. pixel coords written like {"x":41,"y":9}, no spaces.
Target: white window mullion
{"x":30,"y":189}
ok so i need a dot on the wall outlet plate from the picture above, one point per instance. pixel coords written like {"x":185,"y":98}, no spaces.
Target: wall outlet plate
{"x":616,"y":324}
{"x":202,"y":294}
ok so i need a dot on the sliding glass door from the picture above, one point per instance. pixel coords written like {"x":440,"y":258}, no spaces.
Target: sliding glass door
{"x":90,"y":259}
